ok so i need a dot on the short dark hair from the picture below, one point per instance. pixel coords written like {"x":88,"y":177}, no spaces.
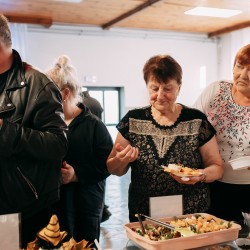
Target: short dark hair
{"x":243,"y":55}
{"x":5,"y":33}
{"x":162,"y":68}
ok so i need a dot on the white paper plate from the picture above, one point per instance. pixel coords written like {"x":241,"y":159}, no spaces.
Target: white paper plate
{"x":240,"y":163}
{"x":182,"y":174}
{"x":242,"y":242}
{"x":187,"y":175}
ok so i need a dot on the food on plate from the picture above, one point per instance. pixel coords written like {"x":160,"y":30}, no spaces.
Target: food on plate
{"x":198,"y":223}
{"x":182,"y":171}
{"x":33,"y":245}
{"x":175,"y":167}
{"x":73,"y":245}
{"x":157,"y":233}
{"x":50,"y":237}
{"x":201,"y":224}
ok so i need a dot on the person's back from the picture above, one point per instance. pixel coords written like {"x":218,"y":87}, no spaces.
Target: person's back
{"x":32,"y":140}
{"x":95,"y":108}
{"x":94,"y":105}
{"x":84,"y":168}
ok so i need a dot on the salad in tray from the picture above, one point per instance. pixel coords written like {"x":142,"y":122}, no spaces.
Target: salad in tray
{"x":197,"y":223}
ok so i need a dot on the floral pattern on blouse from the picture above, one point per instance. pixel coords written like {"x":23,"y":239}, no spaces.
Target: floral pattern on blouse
{"x":232,"y":122}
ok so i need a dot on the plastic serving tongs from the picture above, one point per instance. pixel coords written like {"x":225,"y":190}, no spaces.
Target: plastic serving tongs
{"x":182,"y":230}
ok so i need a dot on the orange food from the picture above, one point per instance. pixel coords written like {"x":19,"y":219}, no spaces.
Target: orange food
{"x":181,"y":170}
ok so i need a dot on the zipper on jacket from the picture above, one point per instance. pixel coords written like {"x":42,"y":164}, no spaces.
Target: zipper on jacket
{"x":29,"y":183}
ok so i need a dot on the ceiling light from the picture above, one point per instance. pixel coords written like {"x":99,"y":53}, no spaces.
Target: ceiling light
{"x":69,"y":1}
{"x":212,"y":12}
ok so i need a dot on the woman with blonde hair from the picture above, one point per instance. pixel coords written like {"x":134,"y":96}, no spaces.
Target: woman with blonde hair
{"x":84,"y":168}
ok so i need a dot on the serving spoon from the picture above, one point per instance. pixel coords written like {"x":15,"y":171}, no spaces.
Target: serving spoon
{"x":141,"y":223}
{"x":182,"y":230}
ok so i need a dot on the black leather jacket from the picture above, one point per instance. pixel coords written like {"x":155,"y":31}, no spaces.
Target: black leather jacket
{"x":32,"y":140}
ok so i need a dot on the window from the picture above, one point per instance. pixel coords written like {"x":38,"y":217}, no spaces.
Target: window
{"x":203,"y":71}
{"x":111,"y":101}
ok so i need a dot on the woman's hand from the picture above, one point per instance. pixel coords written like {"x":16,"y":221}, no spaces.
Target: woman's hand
{"x":190,"y":180}
{"x":68,"y":173}
{"x":127,"y":154}
{"x":121,"y":155}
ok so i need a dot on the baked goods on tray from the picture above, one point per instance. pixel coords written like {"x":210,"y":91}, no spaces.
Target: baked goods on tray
{"x":50,"y":237}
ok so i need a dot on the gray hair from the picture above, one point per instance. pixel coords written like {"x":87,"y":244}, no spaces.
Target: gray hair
{"x":5,"y":33}
{"x":64,"y":76}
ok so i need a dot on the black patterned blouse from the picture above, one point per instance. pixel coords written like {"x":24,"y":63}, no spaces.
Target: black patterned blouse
{"x":160,"y":145}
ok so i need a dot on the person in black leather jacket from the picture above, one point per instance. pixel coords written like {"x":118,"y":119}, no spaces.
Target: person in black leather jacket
{"x":84,"y":169}
{"x":32,"y":140}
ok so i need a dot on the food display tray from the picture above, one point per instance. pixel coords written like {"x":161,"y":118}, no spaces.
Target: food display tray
{"x":182,"y":243}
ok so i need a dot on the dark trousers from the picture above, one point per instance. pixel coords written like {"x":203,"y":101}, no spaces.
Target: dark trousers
{"x":80,"y":210}
{"x":229,"y":200}
{"x":29,"y":227}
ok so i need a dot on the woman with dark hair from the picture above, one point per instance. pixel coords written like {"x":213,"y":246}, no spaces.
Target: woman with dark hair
{"x":165,"y":132}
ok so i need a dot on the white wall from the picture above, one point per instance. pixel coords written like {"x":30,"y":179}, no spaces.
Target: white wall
{"x":117,"y":57}
{"x":228,"y":46}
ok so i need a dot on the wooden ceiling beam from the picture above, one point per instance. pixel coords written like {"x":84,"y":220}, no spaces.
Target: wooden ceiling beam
{"x":229,"y":29}
{"x":129,"y":13}
{"x":44,"y":21}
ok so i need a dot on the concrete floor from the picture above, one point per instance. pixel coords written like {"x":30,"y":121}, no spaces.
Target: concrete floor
{"x":113,"y":234}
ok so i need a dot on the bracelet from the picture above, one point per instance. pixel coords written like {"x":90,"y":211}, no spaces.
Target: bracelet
{"x":204,"y":178}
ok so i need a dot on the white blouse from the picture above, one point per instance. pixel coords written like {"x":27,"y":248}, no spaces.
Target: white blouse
{"x":232,"y":123}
